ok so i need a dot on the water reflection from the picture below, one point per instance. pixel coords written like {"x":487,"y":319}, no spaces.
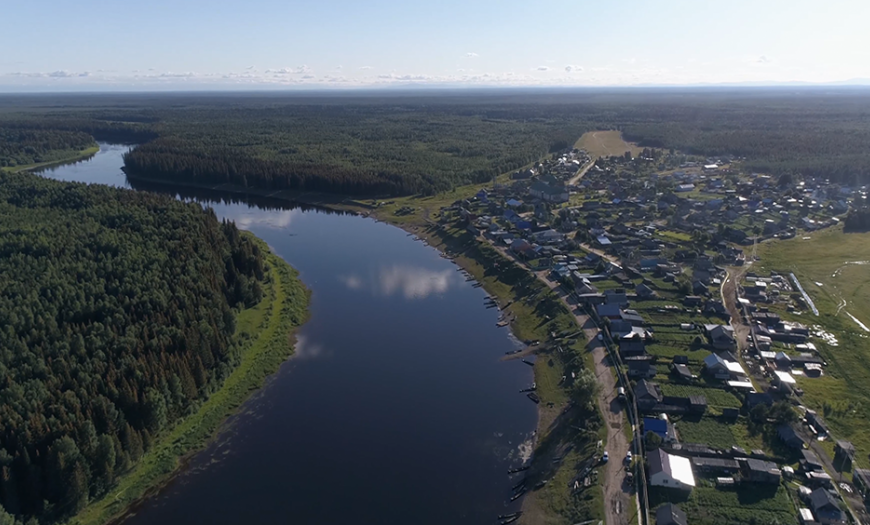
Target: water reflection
{"x":409,"y":281}
{"x":415,"y":283}
{"x":306,"y":349}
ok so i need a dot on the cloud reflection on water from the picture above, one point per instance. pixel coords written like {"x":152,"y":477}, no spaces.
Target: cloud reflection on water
{"x":411,"y":282}
{"x":274,"y":219}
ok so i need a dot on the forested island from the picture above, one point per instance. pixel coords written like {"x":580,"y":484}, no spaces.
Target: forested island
{"x":410,"y":143}
{"x":119,"y":312}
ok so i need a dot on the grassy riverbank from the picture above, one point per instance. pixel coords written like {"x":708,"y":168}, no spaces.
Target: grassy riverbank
{"x":264,"y":334}
{"x":57,"y":157}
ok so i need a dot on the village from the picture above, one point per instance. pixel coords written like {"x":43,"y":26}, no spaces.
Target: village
{"x":657,"y":249}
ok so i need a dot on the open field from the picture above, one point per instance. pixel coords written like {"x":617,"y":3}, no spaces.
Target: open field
{"x":832,"y":267}
{"x":265,"y":333}
{"x":605,"y":144}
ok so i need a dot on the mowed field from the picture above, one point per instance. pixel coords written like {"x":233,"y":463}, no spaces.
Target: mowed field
{"x":834,"y":269}
{"x":606,"y":143}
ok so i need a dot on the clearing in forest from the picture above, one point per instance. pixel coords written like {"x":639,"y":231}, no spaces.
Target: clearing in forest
{"x":606,"y":143}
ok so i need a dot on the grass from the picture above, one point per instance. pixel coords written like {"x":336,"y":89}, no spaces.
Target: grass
{"x":265,"y":334}
{"x":842,"y":394}
{"x":57,"y":157}
{"x":606,"y":143}
{"x":717,"y":433}
{"x":716,"y":397}
{"x":750,"y":504}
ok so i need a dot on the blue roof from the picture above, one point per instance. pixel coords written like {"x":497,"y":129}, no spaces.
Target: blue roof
{"x":656,"y":426}
{"x":603,"y":240}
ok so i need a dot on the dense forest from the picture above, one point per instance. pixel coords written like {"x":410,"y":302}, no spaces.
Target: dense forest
{"x":32,"y":145}
{"x":117,"y":309}
{"x":413,"y":143}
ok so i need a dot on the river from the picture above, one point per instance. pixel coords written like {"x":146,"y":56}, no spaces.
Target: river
{"x":395,"y":408}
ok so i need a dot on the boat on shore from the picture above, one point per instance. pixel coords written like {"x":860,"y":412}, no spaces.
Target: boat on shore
{"x":518,"y":469}
{"x":534,"y":397}
{"x":518,"y":495}
{"x":509,"y":520}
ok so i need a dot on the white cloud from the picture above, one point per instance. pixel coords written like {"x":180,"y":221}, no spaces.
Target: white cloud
{"x":574,"y":69}
{"x":301,"y":70}
{"x":543,"y":68}
{"x":762,"y":60}
{"x":365,"y":67}
{"x":471,"y":55}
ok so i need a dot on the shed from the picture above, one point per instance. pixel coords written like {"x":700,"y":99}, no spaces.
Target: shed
{"x":670,"y":514}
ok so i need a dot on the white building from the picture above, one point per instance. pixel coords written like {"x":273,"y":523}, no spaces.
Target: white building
{"x":666,"y":470}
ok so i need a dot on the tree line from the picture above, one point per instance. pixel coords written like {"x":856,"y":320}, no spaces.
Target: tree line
{"x":424,"y":144}
{"x":117,"y":310}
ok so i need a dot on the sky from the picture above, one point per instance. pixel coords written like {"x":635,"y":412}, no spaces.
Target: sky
{"x":102,"y":45}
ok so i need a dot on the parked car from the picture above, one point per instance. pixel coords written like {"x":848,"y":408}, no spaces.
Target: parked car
{"x":605,"y":457}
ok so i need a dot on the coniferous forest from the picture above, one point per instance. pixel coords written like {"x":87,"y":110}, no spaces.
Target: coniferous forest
{"x":408,"y":143}
{"x":117,"y":309}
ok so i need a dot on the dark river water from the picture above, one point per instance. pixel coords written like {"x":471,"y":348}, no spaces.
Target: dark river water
{"x":395,"y":408}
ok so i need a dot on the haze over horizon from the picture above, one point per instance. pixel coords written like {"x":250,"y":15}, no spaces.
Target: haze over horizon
{"x":267,"y":44}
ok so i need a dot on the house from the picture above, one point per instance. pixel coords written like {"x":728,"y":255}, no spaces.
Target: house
{"x":717,"y":367}
{"x":616,"y":296}
{"x":826,"y":508}
{"x":861,"y":480}
{"x":810,"y":461}
{"x":721,"y":336}
{"x":754,"y":399}
{"x":790,"y":437}
{"x":697,"y":404}
{"x":632,"y":317}
{"x":659,"y":427}
{"x":760,"y":471}
{"x":683,"y":373}
{"x":715,"y":465}
{"x":716,"y":308}
{"x":647,"y":394}
{"x":644,"y":292}
{"x":632,"y":345}
{"x":670,"y":514}
{"x":843,"y":454}
{"x":692,"y":300}
{"x":667,"y":470}
{"x":641,"y":369}
{"x":548,"y":193}
{"x":608,"y":310}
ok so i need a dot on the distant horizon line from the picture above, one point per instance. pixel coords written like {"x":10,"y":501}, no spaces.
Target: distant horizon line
{"x":856,"y":83}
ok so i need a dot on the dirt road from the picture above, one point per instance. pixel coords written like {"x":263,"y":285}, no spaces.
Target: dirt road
{"x":582,"y":172}
{"x":617,"y":501}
